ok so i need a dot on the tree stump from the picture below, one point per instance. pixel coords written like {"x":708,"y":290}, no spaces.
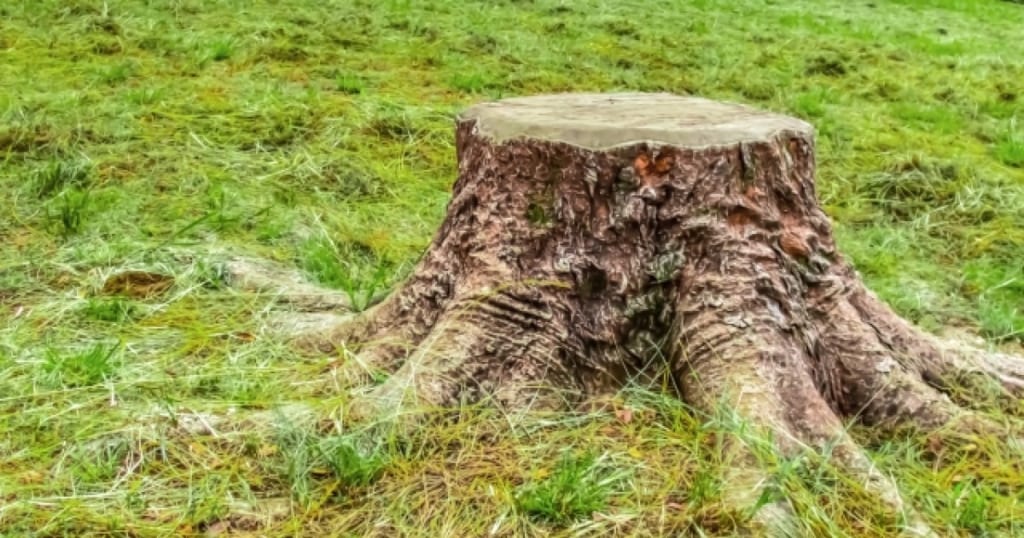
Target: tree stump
{"x":592,"y":238}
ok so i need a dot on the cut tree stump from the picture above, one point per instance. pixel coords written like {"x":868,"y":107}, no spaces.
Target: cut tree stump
{"x":594,"y":238}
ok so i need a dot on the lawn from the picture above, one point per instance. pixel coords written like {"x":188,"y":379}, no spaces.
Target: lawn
{"x":164,"y":135}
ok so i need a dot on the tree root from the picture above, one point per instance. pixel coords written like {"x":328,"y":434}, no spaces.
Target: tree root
{"x":945,"y":364}
{"x":451,"y":365}
{"x":766,"y":380}
{"x":286,"y":286}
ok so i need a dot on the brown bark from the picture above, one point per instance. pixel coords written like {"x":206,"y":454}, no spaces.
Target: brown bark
{"x":590,"y":239}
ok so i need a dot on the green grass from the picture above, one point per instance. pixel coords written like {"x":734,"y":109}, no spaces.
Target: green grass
{"x":578,"y":487}
{"x":80,"y":368}
{"x":159,"y":135}
{"x":113,"y":310}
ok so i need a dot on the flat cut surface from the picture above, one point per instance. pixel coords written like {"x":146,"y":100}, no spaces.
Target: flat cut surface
{"x":605,"y":120}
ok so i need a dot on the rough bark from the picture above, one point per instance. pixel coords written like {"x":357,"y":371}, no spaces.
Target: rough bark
{"x":592,"y":238}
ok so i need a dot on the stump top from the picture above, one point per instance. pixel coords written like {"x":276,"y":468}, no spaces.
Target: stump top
{"x":606,"y":120}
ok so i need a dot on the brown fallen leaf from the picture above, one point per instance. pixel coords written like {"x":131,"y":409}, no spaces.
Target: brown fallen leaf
{"x":137,"y":284}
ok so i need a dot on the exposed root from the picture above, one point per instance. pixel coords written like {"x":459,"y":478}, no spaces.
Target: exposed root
{"x":285,"y":285}
{"x":456,"y":363}
{"x":945,"y":364}
{"x":856,"y":464}
{"x":911,"y":376}
{"x":321,"y":320}
{"x":297,"y":325}
{"x":823,"y":432}
{"x":963,"y":364}
{"x":796,"y":420}
{"x":886,"y":390}
{"x":329,"y":338}
{"x":752,"y":401}
{"x":723,"y":363}
{"x":771,"y":376}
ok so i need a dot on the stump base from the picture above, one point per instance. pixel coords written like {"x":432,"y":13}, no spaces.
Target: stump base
{"x":593,"y":238}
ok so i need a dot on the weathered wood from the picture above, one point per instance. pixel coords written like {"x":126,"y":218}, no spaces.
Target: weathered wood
{"x":591,"y":238}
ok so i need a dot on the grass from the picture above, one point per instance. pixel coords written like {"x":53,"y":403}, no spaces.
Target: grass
{"x":351,"y":268}
{"x":157,"y":135}
{"x":80,"y":368}
{"x":578,"y":487}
